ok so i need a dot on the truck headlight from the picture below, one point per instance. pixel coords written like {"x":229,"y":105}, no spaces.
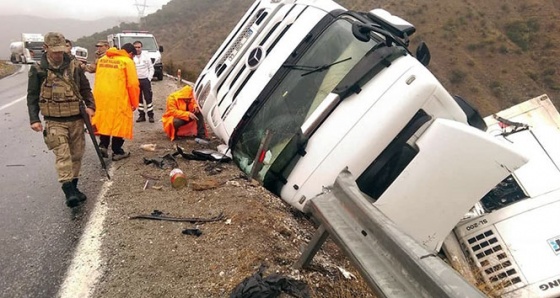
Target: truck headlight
{"x":203,"y":95}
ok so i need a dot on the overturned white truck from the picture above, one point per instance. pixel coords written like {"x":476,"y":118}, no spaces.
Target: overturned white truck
{"x":331,"y":88}
{"x":300,"y":90}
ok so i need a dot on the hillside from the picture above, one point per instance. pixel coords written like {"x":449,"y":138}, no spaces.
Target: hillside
{"x":13,"y":25}
{"x":493,"y":53}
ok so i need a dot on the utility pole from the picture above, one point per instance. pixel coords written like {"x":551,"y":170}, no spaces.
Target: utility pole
{"x":141,"y":7}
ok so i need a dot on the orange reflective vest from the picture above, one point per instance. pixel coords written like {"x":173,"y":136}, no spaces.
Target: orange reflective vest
{"x":179,"y":105}
{"x":116,"y":93}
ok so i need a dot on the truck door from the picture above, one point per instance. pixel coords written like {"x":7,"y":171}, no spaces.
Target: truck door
{"x":455,"y":165}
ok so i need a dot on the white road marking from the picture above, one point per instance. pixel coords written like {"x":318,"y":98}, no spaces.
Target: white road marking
{"x":85,"y":270}
{"x":12,"y":103}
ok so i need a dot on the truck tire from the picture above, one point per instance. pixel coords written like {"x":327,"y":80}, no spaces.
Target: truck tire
{"x":13,"y":59}
{"x":160,"y":76}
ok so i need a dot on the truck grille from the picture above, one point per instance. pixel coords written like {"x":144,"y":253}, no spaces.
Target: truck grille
{"x":488,"y":252}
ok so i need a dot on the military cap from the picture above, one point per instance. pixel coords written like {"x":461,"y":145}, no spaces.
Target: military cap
{"x":55,"y":42}
{"x":102,"y":43}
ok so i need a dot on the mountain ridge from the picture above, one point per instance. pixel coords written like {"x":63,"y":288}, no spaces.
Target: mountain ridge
{"x":494,"y":54}
{"x":73,"y":29}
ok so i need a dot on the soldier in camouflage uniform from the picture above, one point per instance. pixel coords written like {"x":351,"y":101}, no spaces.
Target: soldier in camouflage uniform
{"x":56,"y":86}
{"x":102,"y":47}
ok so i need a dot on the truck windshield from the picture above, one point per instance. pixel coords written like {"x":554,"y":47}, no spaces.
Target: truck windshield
{"x":148,"y":42}
{"x":306,"y":84}
{"x":34,"y":45}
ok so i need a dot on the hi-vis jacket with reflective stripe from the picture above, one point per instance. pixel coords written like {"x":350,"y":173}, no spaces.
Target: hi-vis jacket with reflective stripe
{"x":179,"y":105}
{"x":116,"y":92}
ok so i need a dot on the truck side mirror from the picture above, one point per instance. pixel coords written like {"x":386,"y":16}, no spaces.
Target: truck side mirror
{"x":423,"y":54}
{"x":161,"y":49}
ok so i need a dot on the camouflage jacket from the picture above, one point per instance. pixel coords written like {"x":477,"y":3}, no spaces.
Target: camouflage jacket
{"x":38,"y":73}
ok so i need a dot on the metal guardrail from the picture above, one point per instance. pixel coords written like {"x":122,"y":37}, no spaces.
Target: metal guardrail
{"x":391,"y":262}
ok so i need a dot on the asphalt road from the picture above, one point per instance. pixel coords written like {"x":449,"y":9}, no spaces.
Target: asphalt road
{"x":38,"y":233}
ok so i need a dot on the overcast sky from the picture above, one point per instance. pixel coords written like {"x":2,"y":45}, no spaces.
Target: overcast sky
{"x":79,"y":9}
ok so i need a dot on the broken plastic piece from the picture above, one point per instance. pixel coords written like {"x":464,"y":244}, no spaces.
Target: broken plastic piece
{"x":195,"y":232}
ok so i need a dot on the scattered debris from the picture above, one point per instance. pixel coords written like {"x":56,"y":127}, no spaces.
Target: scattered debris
{"x":205,"y":184}
{"x":233,"y":183}
{"x":178,"y":178}
{"x":195,"y":232}
{"x":213,"y":169}
{"x":202,"y":154}
{"x":149,"y":177}
{"x":158,"y":215}
{"x":148,"y":147}
{"x":346,"y":274}
{"x":146,"y":184}
{"x":273,"y":285}
{"x":181,"y":151}
{"x":164,"y":162}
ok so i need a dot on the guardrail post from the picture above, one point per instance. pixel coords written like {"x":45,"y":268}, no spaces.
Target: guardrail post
{"x":391,"y":262}
{"x":179,"y":77}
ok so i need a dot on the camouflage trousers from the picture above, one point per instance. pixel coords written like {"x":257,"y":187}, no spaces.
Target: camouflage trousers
{"x":67,"y":141}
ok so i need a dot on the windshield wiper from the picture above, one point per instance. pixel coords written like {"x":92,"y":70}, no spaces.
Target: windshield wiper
{"x":313,"y":69}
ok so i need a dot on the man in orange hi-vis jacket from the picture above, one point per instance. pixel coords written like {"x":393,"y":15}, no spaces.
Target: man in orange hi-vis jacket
{"x":182,"y":115}
{"x":116,"y":92}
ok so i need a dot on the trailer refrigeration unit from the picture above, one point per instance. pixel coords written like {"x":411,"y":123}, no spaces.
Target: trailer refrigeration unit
{"x":300,"y":90}
{"x":512,"y":236}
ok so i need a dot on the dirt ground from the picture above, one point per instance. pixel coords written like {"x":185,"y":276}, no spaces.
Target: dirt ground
{"x":6,"y":69}
{"x":150,"y":258}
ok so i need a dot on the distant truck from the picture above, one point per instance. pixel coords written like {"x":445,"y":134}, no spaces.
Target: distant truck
{"x":149,"y":45}
{"x":80,"y":53}
{"x":28,"y":49}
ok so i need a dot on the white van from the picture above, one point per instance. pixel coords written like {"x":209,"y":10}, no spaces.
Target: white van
{"x":149,"y":44}
{"x":80,"y":53}
{"x":300,"y":90}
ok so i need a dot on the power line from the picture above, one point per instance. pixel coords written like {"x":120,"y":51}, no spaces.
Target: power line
{"x":141,"y":7}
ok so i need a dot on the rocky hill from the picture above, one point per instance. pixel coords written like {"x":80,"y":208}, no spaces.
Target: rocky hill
{"x":491,"y":52}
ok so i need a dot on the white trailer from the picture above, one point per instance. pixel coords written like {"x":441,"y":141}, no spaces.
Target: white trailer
{"x":512,"y":236}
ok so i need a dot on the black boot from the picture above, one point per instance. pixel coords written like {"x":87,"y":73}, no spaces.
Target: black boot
{"x":141,"y":118}
{"x":72,"y":199}
{"x":81,"y":196}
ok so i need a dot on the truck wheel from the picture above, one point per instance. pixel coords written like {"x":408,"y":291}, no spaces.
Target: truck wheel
{"x":160,"y":76}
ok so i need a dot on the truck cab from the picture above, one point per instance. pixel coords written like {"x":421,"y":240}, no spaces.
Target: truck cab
{"x":301,"y":90}
{"x":149,"y":45}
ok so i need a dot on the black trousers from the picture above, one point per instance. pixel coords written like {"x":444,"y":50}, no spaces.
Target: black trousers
{"x":199,"y":124}
{"x":146,"y":95}
{"x":116,"y":143}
